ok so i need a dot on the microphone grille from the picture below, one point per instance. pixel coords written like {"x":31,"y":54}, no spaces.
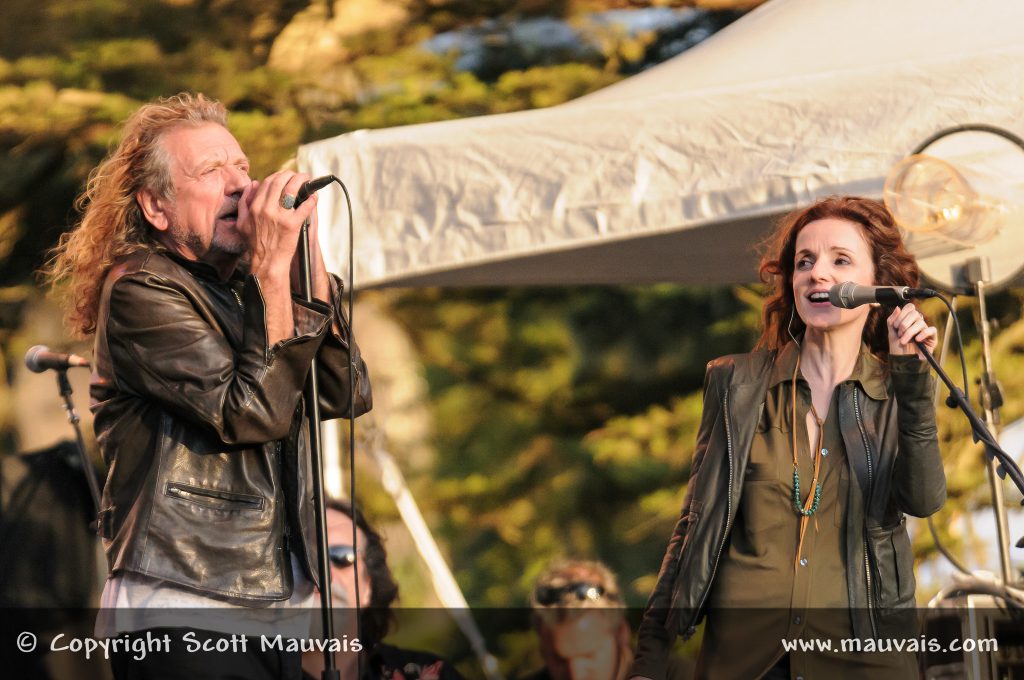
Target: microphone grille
{"x":841,"y":294}
{"x":835,"y":295}
{"x":32,"y":358}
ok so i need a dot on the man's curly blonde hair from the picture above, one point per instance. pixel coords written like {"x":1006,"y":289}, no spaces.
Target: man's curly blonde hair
{"x":112,"y":223}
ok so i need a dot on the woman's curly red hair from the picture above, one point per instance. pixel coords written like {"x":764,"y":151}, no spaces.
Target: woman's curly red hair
{"x":894,"y":266}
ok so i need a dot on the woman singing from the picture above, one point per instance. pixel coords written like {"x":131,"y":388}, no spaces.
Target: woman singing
{"x":810,"y":451}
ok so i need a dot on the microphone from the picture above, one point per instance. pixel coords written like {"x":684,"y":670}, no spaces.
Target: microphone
{"x":311,"y":187}
{"x":849,"y":295}
{"x":40,"y":358}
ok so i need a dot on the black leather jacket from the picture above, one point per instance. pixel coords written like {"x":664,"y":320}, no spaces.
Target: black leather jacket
{"x":203,"y":430}
{"x":892,"y":450}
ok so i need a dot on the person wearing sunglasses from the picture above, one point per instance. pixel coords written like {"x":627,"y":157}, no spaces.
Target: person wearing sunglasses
{"x":578,"y":616}
{"x":366,"y":562}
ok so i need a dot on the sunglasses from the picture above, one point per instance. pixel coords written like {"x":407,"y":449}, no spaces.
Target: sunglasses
{"x":342,"y":556}
{"x":581,"y":590}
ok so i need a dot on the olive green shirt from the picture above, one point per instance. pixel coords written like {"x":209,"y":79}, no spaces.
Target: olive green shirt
{"x":761,"y":594}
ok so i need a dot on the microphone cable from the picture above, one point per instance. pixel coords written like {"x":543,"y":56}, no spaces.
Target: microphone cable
{"x":315,"y":185}
{"x":936,"y":540}
{"x":930,"y":521}
{"x":960,"y":347}
{"x":352,"y":371}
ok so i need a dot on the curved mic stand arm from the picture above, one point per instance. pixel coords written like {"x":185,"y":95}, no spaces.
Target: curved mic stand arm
{"x":1007,"y":466}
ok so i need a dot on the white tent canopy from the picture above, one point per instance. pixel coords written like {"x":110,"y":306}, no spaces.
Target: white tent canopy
{"x":674,"y":174}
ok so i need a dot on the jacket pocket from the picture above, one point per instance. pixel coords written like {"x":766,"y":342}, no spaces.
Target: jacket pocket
{"x":214,"y":498}
{"x":893,"y":563}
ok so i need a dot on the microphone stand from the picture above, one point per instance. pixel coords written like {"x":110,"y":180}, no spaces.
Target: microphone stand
{"x":312,"y":395}
{"x":65,"y":392}
{"x":1006,"y":465}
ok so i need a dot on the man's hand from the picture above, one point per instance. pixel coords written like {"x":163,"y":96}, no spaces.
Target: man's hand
{"x":272,"y":231}
{"x":271,"y":228}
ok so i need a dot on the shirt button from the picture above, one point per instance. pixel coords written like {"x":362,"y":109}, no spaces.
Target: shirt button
{"x":799,"y":677}
{"x":803,"y":561}
{"x":824,"y":452}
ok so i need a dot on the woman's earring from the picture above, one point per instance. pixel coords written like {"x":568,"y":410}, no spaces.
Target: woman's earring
{"x":789,"y":326}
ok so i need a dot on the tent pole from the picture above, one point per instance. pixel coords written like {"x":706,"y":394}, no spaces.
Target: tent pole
{"x":445,"y":586}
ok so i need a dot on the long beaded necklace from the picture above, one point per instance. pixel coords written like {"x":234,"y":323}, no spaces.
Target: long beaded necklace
{"x":808,"y":507}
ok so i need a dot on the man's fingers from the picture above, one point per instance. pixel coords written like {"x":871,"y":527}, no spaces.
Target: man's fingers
{"x":293,"y":185}
{"x":269,"y":201}
{"x":268,"y":195}
{"x":306,"y":209}
{"x":243,"y":203}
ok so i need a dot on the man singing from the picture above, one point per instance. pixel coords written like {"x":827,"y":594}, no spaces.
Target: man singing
{"x":186,"y":271}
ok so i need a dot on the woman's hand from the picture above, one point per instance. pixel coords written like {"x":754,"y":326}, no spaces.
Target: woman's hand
{"x":905,"y":325}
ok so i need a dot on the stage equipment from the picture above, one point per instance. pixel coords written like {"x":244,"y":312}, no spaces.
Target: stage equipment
{"x":312,"y":399}
{"x":959,"y":198}
{"x":989,"y":636}
{"x":849,"y":295}
{"x":39,"y":359}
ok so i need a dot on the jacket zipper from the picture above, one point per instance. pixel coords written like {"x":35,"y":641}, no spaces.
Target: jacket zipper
{"x":867,"y":560}
{"x":191,"y":493}
{"x":286,"y":543}
{"x":729,"y":516}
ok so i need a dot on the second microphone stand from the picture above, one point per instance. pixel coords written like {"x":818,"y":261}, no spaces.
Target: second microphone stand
{"x":65,"y":392}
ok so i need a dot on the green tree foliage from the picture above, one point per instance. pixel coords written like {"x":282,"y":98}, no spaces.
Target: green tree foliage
{"x":70,"y":71}
{"x":560,"y":428}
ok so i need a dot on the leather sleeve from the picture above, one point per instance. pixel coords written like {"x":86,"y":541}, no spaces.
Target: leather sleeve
{"x":334,"y":365}
{"x":919,"y":481}
{"x":658,"y":628}
{"x":163,"y":349}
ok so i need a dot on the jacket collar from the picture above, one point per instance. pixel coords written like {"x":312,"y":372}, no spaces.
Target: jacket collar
{"x":201,"y":270}
{"x":868,"y":372}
